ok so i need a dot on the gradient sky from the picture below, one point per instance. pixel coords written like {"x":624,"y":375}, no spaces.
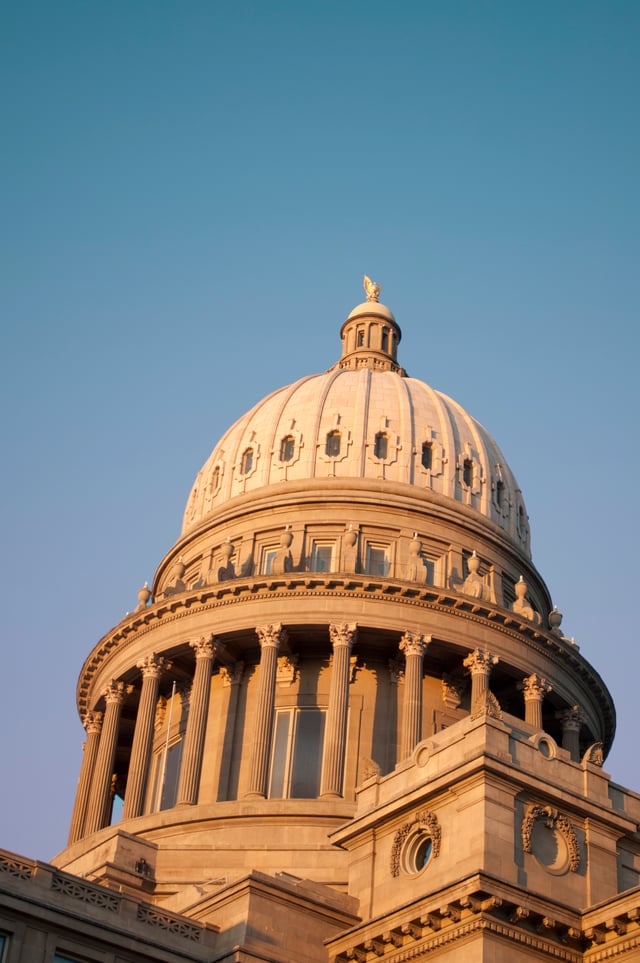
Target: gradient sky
{"x":192,"y":192}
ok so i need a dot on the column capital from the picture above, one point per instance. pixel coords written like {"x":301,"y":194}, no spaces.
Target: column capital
{"x":571,"y":718}
{"x":116,"y":691}
{"x":271,"y":636}
{"x":344,"y":634}
{"x":204,"y":648}
{"x":534,"y":687}
{"x":413,"y":643}
{"x":480,"y":661}
{"x":93,"y":722}
{"x":152,"y":666}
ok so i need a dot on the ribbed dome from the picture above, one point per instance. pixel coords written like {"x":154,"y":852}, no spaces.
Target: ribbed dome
{"x":364,"y":418}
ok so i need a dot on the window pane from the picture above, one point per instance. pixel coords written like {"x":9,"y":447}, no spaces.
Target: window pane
{"x":332,"y":447}
{"x":427,"y":456}
{"x":167,"y":777}
{"x":287,"y":448}
{"x":467,"y":473}
{"x":247,"y":461}
{"x":267,"y":560}
{"x":380,"y":446}
{"x":279,"y":756}
{"x":307,"y":764}
{"x":321,"y":558}
{"x":377,"y":561}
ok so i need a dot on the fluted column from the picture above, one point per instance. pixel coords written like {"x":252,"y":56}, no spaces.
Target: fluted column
{"x":335,"y":733}
{"x":571,"y":721}
{"x":480,"y":662}
{"x":93,"y":727}
{"x":191,"y":766}
{"x":270,"y":637}
{"x":413,"y":646}
{"x":100,"y":795}
{"x":152,"y":668}
{"x":534,"y":688}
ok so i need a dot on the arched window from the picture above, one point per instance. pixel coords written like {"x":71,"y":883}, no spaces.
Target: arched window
{"x":381,"y":445}
{"x":427,"y":455}
{"x":332,"y":445}
{"x":385,"y":339}
{"x":360,"y":339}
{"x":499,"y":493}
{"x":215,"y":479}
{"x":287,"y":448}
{"x":467,"y":472}
{"x":247,"y":461}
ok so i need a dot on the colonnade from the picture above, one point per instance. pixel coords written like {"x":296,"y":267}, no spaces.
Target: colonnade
{"x":95,"y":785}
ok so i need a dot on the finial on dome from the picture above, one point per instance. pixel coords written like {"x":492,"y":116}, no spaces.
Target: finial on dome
{"x":372,"y":288}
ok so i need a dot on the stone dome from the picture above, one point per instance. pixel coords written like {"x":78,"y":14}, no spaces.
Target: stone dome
{"x":364,"y":419}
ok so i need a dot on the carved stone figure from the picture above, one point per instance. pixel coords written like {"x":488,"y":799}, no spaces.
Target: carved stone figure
{"x":474,"y":584}
{"x":372,"y":288}
{"x":350,"y":550}
{"x":283,"y":559}
{"x":521,"y":606}
{"x":416,"y":569}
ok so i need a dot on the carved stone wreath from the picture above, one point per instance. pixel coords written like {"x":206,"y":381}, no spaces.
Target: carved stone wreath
{"x":423,"y":820}
{"x":553,"y":819}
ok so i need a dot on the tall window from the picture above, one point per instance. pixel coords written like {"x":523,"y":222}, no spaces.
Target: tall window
{"x":247,"y":461}
{"x":167,"y":772}
{"x":287,"y":448}
{"x":427,"y":455}
{"x":360,"y":339}
{"x":377,"y":560}
{"x":296,"y":758}
{"x":467,"y":472}
{"x":499,"y":493}
{"x":332,"y":445}
{"x":385,"y":339}
{"x":380,"y":445}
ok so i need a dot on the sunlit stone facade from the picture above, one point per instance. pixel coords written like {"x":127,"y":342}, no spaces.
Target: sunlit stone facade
{"x":344,"y":722}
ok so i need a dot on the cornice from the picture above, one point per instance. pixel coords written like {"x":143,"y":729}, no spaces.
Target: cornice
{"x":427,"y":598}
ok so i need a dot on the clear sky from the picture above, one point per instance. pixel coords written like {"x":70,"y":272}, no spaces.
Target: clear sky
{"x":192,"y":192}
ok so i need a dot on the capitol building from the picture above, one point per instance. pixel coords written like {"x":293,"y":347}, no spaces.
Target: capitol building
{"x":344,"y":722}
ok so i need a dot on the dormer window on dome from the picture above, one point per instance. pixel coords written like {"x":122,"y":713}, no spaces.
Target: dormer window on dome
{"x":381,"y":445}
{"x":247,"y":461}
{"x":287,"y":448}
{"x":332,"y":445}
{"x":427,"y":455}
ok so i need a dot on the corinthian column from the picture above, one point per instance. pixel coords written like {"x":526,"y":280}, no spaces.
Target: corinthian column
{"x":335,"y":735}
{"x":191,"y":766}
{"x":534,"y":688}
{"x":571,"y":720}
{"x":100,"y":795}
{"x":480,"y":663}
{"x":270,"y":637}
{"x":152,"y":668}
{"x":93,"y":726}
{"x":414,"y":646}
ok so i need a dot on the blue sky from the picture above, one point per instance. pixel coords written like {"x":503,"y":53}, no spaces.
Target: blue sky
{"x":192,"y":192}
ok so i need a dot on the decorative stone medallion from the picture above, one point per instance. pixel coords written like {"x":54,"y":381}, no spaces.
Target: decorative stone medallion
{"x":550,"y":838}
